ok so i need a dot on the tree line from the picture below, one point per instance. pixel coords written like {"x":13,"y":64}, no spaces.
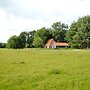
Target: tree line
{"x":77,"y":35}
{"x":38,"y":38}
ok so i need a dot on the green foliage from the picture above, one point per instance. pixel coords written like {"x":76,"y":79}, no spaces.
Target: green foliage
{"x":58,"y":31}
{"x":41,"y":37}
{"x":27,"y":46}
{"x":38,"y":42}
{"x":59,"y":26}
{"x":79,"y":33}
{"x":13,"y":42}
{"x":2,"y":45}
{"x":31,"y":38}
{"x":41,"y":69}
{"x":27,"y":39}
{"x":23,"y":38}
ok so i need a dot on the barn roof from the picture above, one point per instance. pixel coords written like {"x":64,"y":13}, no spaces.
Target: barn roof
{"x":51,"y":41}
{"x":62,"y":44}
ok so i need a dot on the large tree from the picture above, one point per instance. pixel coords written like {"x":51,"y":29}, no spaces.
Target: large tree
{"x":26,"y":38}
{"x":13,"y":42}
{"x":78,"y":35}
{"x":23,"y":38}
{"x":41,"y":35}
{"x":58,"y":31}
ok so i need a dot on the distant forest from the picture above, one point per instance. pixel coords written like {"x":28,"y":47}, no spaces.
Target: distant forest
{"x":77,"y":35}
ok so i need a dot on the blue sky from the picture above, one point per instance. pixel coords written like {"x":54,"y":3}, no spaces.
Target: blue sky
{"x":25,"y":15}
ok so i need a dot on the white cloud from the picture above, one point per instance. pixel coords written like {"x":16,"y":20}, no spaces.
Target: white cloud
{"x":20,"y":15}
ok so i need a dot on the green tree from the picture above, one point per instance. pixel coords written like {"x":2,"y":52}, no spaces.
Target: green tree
{"x":23,"y":39}
{"x":78,"y":35}
{"x":59,"y":30}
{"x":13,"y":42}
{"x":26,"y":39}
{"x":42,"y":35}
{"x":38,"y":42}
{"x":31,"y":38}
{"x":2,"y":45}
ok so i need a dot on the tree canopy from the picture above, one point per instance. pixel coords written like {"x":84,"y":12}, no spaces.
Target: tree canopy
{"x":79,"y":33}
{"x":13,"y":42}
{"x":41,"y":37}
{"x":59,"y":31}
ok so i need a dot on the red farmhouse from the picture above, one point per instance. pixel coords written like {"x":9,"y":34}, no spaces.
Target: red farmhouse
{"x":53,"y":44}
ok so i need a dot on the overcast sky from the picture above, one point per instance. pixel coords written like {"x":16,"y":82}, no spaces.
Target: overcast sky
{"x":25,"y":15}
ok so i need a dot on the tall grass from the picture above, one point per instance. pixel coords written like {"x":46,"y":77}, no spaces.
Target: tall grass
{"x":41,"y":69}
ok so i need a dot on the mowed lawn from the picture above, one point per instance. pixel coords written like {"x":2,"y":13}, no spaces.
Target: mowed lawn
{"x":41,"y":69}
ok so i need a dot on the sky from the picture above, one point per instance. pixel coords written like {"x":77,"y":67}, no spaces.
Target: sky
{"x":26,"y":15}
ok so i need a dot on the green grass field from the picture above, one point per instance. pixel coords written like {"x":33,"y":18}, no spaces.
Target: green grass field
{"x":40,"y":69}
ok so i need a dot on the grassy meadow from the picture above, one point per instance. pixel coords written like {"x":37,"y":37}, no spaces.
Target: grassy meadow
{"x":43,"y":69}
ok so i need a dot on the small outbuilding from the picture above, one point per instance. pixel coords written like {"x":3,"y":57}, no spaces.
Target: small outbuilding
{"x":53,"y":44}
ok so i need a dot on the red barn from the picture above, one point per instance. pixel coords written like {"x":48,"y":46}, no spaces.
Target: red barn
{"x":53,"y":44}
